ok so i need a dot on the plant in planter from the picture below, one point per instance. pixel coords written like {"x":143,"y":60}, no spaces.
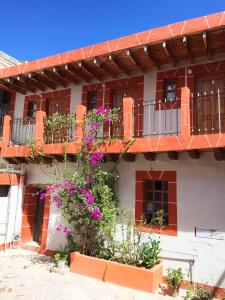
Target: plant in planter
{"x":175,"y":277}
{"x":61,"y":259}
{"x":199,"y":293}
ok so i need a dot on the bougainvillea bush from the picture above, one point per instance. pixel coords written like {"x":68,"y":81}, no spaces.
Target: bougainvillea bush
{"x":88,"y":203}
{"x":86,"y":199}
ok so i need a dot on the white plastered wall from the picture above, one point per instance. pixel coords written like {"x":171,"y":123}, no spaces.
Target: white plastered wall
{"x":200,"y":203}
{"x":11,"y":214}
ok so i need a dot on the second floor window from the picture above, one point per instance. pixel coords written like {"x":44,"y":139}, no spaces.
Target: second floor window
{"x":32,"y":110}
{"x":170,"y":91}
{"x":92,"y":100}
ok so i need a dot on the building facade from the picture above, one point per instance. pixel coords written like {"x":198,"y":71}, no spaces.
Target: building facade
{"x":169,"y":83}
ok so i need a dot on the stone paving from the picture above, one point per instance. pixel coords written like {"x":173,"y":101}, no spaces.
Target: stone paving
{"x":26,"y":275}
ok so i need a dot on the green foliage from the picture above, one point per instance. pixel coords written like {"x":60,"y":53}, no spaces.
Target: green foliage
{"x":149,"y":254}
{"x":61,"y":256}
{"x":175,"y":277}
{"x":199,"y":292}
{"x":158,"y":218}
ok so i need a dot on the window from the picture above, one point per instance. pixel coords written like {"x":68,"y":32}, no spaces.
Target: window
{"x":156,"y":199}
{"x":156,"y":191}
{"x":4,"y":190}
{"x":32,"y":110}
{"x":92,"y":100}
{"x":170,"y":91}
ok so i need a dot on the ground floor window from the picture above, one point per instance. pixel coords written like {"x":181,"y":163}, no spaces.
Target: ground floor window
{"x":156,"y":195}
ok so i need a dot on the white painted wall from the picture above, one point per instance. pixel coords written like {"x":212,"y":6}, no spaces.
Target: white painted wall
{"x":200,"y":203}
{"x":11,"y":214}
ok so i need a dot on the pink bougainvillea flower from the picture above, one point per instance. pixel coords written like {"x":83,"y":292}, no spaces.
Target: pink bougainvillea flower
{"x":95,"y":213}
{"x":100,"y":110}
{"x":42,"y":196}
{"x":94,"y":126}
{"x":49,"y":190}
{"x":67,"y":231}
{"x":58,"y":227}
{"x":109,"y":119}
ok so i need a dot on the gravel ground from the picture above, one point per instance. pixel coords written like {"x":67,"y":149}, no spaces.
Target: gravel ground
{"x":27,"y":275}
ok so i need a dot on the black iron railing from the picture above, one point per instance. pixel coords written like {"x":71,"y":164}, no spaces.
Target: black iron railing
{"x":59,"y":128}
{"x":156,"y":118}
{"x":22,"y":130}
{"x":208,"y":112}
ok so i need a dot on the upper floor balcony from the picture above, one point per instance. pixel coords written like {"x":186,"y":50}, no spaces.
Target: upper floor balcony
{"x":194,"y":123}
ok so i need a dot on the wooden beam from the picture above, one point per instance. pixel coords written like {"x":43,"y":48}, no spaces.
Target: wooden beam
{"x":71,"y":157}
{"x":219,"y":154}
{"x":206,"y":45}
{"x":19,"y":81}
{"x":187,"y":48}
{"x":129,"y":157}
{"x":13,"y":87}
{"x":150,"y":156}
{"x":168,"y":53}
{"x":10,"y":160}
{"x":119,"y":66}
{"x":78,"y":72}
{"x":151,"y":57}
{"x":53,"y":75}
{"x":70,"y":76}
{"x":113,"y":157}
{"x":84,"y":67}
{"x":194,"y":154}
{"x":45,"y":80}
{"x":133,"y":59}
{"x":21,"y":160}
{"x":29,"y":79}
{"x":105,"y":68}
{"x":173,"y":155}
{"x":58,"y":157}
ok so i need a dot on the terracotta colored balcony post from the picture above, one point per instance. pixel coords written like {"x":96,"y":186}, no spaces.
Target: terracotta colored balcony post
{"x":80,"y":117}
{"x":185,"y":111}
{"x":128,"y":119}
{"x":6,"y":133}
{"x":39,"y":128}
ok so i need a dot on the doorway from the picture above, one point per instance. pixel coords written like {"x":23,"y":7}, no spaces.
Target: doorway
{"x":209,"y":104}
{"x":38,"y":221}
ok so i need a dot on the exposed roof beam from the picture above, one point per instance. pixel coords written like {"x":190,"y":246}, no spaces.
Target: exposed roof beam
{"x":79,"y":74}
{"x":150,"y":156}
{"x":87,"y":70}
{"x":54,"y":75}
{"x":187,"y":47}
{"x":119,"y":66}
{"x":13,"y":87}
{"x":219,"y":154}
{"x":29,"y":79}
{"x":129,"y":157}
{"x":132,"y":58}
{"x":104,"y":67}
{"x":45,"y":80}
{"x":151,"y":57}
{"x":168,"y":53}
{"x":20,"y":82}
{"x":206,"y":45}
{"x":70,"y":76}
{"x":194,"y":154}
{"x":173,"y":155}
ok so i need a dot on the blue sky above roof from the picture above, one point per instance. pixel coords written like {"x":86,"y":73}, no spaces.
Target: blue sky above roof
{"x":34,"y":29}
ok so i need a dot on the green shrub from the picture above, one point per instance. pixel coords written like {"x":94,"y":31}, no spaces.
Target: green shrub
{"x":175,"y":277}
{"x":199,"y":293}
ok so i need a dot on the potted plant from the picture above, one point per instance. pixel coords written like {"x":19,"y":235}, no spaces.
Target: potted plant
{"x":175,"y":277}
{"x":199,"y":293}
{"x":61,"y":260}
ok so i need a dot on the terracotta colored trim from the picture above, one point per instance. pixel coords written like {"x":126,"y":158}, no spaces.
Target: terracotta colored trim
{"x":8,"y":245}
{"x":38,"y":249}
{"x":146,"y":37}
{"x":9,"y":179}
{"x":170,"y":176}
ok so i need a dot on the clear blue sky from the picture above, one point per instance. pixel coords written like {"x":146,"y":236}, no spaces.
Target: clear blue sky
{"x":34,"y":29}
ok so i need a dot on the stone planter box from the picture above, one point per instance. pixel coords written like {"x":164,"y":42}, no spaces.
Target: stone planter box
{"x":121,"y":274}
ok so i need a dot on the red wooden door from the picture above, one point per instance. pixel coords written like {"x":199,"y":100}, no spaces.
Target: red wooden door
{"x":56,"y":106}
{"x":210,"y":104}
